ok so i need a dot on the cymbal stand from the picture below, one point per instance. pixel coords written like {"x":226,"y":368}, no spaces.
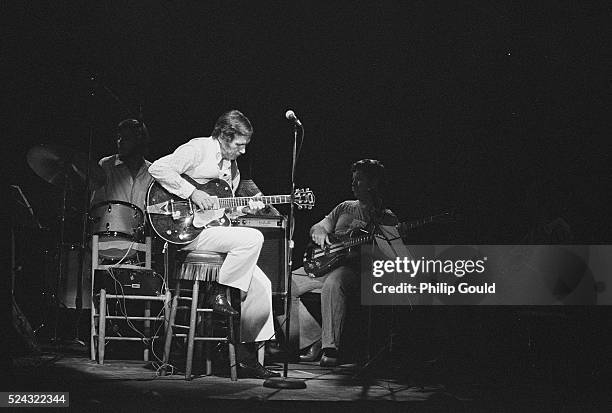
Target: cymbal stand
{"x":85,"y":221}
{"x":60,"y":255}
{"x":24,"y":326}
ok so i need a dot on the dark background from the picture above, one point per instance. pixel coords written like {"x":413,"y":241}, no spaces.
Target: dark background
{"x":468,"y":104}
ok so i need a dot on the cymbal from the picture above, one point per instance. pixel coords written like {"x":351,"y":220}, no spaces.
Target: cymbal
{"x":62,"y":166}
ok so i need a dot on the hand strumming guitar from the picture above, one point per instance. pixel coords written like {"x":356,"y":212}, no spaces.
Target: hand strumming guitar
{"x":320,"y":236}
{"x":203,"y":200}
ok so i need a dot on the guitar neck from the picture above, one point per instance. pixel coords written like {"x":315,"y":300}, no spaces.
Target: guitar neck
{"x":352,"y":242}
{"x":415,"y":224}
{"x":406,"y":226}
{"x":244,"y":200}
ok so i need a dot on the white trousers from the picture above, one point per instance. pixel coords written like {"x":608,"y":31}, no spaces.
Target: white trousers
{"x":240,"y":270}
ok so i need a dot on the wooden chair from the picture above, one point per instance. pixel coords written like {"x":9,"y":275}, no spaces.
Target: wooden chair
{"x":99,"y":314}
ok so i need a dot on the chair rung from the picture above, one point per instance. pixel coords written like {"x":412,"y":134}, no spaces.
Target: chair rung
{"x":211,"y":339}
{"x":120,"y":317}
{"x":122,"y":266}
{"x":204,"y":310}
{"x":180,"y":326}
{"x":129,"y":338}
{"x":183,"y":335}
{"x":138,"y":297}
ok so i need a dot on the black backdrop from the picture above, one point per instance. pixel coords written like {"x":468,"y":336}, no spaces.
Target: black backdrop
{"x":464,"y":103}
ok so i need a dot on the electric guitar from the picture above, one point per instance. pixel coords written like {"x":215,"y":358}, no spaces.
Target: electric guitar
{"x":180,"y":221}
{"x":319,"y":261}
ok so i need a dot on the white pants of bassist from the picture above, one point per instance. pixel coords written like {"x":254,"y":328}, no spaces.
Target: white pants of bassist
{"x":239,"y":270}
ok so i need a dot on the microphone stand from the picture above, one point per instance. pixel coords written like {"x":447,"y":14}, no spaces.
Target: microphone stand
{"x":284,"y":382}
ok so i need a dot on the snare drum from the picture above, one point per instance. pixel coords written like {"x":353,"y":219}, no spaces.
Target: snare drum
{"x":119,"y":223}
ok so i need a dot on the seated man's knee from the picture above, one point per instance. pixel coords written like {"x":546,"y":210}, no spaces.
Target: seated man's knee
{"x":295,"y":289}
{"x":254,"y":236}
{"x":333,"y":286}
{"x":339,"y":281}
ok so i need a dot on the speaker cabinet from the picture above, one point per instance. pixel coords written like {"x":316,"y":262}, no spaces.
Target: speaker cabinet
{"x":273,"y":258}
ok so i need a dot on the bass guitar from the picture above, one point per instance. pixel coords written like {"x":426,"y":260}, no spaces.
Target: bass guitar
{"x":180,"y":221}
{"x":319,"y":261}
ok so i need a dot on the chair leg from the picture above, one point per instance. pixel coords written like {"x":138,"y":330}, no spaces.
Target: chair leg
{"x":210,"y":332}
{"x":102,"y":326}
{"x":167,"y":306}
{"x":261,"y":352}
{"x":192,"y":324}
{"x":231,"y":340}
{"x":93,"y":332}
{"x":199,"y":346}
{"x":170,"y":323}
{"x":147,"y":328}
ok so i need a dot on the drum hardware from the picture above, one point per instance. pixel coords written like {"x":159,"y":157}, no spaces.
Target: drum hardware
{"x":19,"y":320}
{"x":71,"y":171}
{"x":64,"y":167}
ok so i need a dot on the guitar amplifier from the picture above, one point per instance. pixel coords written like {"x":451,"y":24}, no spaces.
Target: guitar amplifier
{"x":274,"y":252}
{"x":123,"y":281}
{"x":260,"y":221}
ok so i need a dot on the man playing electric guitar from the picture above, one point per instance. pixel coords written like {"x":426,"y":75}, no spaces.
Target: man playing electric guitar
{"x":342,"y":281}
{"x":204,"y":159}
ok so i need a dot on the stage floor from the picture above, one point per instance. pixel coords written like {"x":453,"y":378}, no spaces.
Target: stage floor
{"x":129,"y":385}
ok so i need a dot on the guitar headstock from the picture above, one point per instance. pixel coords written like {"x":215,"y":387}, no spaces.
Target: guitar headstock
{"x":443,"y":218}
{"x":304,"y":198}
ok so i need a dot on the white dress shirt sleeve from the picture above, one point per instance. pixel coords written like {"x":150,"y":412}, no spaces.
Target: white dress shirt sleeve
{"x":168,"y":169}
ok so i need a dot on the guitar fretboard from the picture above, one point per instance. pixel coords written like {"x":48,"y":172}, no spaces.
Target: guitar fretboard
{"x":244,"y":200}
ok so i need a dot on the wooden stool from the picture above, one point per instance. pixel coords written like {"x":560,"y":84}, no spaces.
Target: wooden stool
{"x":197,"y":267}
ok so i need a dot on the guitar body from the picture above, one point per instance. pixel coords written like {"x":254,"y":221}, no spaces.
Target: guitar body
{"x":320,"y":261}
{"x":179,"y":221}
{"x":176,"y":226}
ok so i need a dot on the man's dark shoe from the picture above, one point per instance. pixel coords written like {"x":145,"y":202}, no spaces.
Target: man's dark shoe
{"x":255,"y":370}
{"x":313,"y":353}
{"x":329,"y":358}
{"x":220,"y":305}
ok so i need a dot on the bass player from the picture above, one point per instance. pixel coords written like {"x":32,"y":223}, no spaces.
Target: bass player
{"x":339,"y":284}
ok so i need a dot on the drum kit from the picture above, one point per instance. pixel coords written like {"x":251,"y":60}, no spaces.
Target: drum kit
{"x":119,"y":223}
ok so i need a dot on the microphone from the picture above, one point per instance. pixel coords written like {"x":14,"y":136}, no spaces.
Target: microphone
{"x":290,"y":115}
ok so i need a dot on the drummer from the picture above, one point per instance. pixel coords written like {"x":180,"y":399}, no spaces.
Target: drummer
{"x":127,"y":172}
